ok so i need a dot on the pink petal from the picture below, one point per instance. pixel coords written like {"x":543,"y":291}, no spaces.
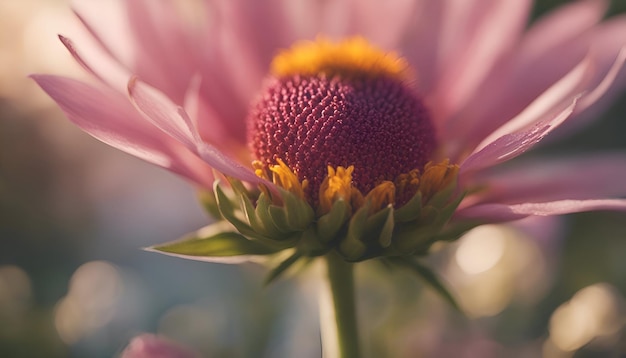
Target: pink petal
{"x":333,"y":19}
{"x":167,"y":45}
{"x":559,"y":94}
{"x":576,"y":84}
{"x":107,"y":22}
{"x":173,"y":120}
{"x":109,"y":117}
{"x":225,"y":128}
{"x":606,"y":83}
{"x":493,"y":32}
{"x":591,"y":177}
{"x":420,"y":45}
{"x":382,"y":22}
{"x":250,"y":33}
{"x":98,"y":62}
{"x":152,"y":346}
{"x":514,"y":144}
{"x":608,"y":50}
{"x":547,"y":52}
{"x":493,"y":213}
{"x":163,"y":113}
{"x":563,"y":24}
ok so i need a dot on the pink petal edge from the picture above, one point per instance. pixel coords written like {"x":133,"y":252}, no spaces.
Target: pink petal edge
{"x":173,"y":120}
{"x":108,"y":116}
{"x":514,"y":144}
{"x":587,"y":177}
{"x":493,"y":213}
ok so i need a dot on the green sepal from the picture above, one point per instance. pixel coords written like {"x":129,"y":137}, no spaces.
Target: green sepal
{"x":279,"y":217}
{"x":386,"y":232}
{"x":209,"y":203}
{"x":250,"y":214}
{"x":415,"y":235}
{"x":310,"y":244}
{"x":329,"y":224}
{"x":411,"y":210}
{"x":299,"y":213}
{"x":227,"y":210}
{"x":352,"y":246}
{"x":212,"y":242}
{"x":429,"y":277}
{"x":443,"y":196}
{"x":378,"y":228}
{"x":268,"y":227}
{"x":277,"y":271}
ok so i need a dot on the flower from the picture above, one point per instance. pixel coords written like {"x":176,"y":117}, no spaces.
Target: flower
{"x":372,"y":129}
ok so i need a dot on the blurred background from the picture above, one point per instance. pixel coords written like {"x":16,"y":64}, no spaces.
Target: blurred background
{"x":74,"y":282}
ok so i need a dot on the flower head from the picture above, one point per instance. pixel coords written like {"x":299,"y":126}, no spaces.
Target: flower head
{"x":341,"y":105}
{"x":374,"y":135}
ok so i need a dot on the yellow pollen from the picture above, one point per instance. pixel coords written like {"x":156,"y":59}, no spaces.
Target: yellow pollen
{"x":338,"y":185}
{"x":437,"y":177}
{"x":282,"y":176}
{"x":350,"y":57}
{"x":381,"y":196}
{"x":409,"y":182}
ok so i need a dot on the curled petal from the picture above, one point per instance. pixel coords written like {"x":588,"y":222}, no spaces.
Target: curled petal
{"x":557,"y":179}
{"x":109,"y":117}
{"x":99,"y":63}
{"x":502,"y":212}
{"x":549,"y":50}
{"x":512,"y":145}
{"x":162,"y":112}
{"x":173,"y":120}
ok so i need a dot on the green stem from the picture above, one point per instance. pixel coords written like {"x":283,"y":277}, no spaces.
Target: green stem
{"x":341,"y":279}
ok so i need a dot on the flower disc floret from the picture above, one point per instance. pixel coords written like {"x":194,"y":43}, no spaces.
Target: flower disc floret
{"x":364,"y":116}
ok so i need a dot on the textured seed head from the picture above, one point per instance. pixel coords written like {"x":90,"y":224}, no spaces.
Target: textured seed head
{"x":376,"y":123}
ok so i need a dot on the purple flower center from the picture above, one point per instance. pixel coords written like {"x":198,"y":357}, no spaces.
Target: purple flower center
{"x":377,"y":124}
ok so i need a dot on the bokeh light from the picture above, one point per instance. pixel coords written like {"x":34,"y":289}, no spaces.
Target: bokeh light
{"x":494,"y":265}
{"x":594,"y":313}
{"x":90,"y":301}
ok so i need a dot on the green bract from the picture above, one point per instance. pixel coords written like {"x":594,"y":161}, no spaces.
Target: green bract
{"x":251,"y":223}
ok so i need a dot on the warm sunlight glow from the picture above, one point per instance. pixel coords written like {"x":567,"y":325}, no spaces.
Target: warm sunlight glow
{"x":480,"y":249}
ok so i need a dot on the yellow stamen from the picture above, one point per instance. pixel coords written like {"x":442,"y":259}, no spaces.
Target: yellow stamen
{"x":260,"y":169}
{"x":352,"y":57}
{"x":285,"y":178}
{"x":381,"y":196}
{"x":437,"y":177}
{"x":408,"y":183}
{"x":336,"y":186}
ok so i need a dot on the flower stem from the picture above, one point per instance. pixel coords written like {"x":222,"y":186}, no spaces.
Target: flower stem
{"x":341,"y":279}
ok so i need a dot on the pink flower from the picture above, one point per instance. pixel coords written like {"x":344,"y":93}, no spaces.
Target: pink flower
{"x":151,"y":346}
{"x":198,"y":96}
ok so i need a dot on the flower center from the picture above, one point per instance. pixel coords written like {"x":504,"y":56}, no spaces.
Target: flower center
{"x":343,"y":104}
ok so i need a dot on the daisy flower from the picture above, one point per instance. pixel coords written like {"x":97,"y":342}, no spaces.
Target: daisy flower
{"x":350,"y":129}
